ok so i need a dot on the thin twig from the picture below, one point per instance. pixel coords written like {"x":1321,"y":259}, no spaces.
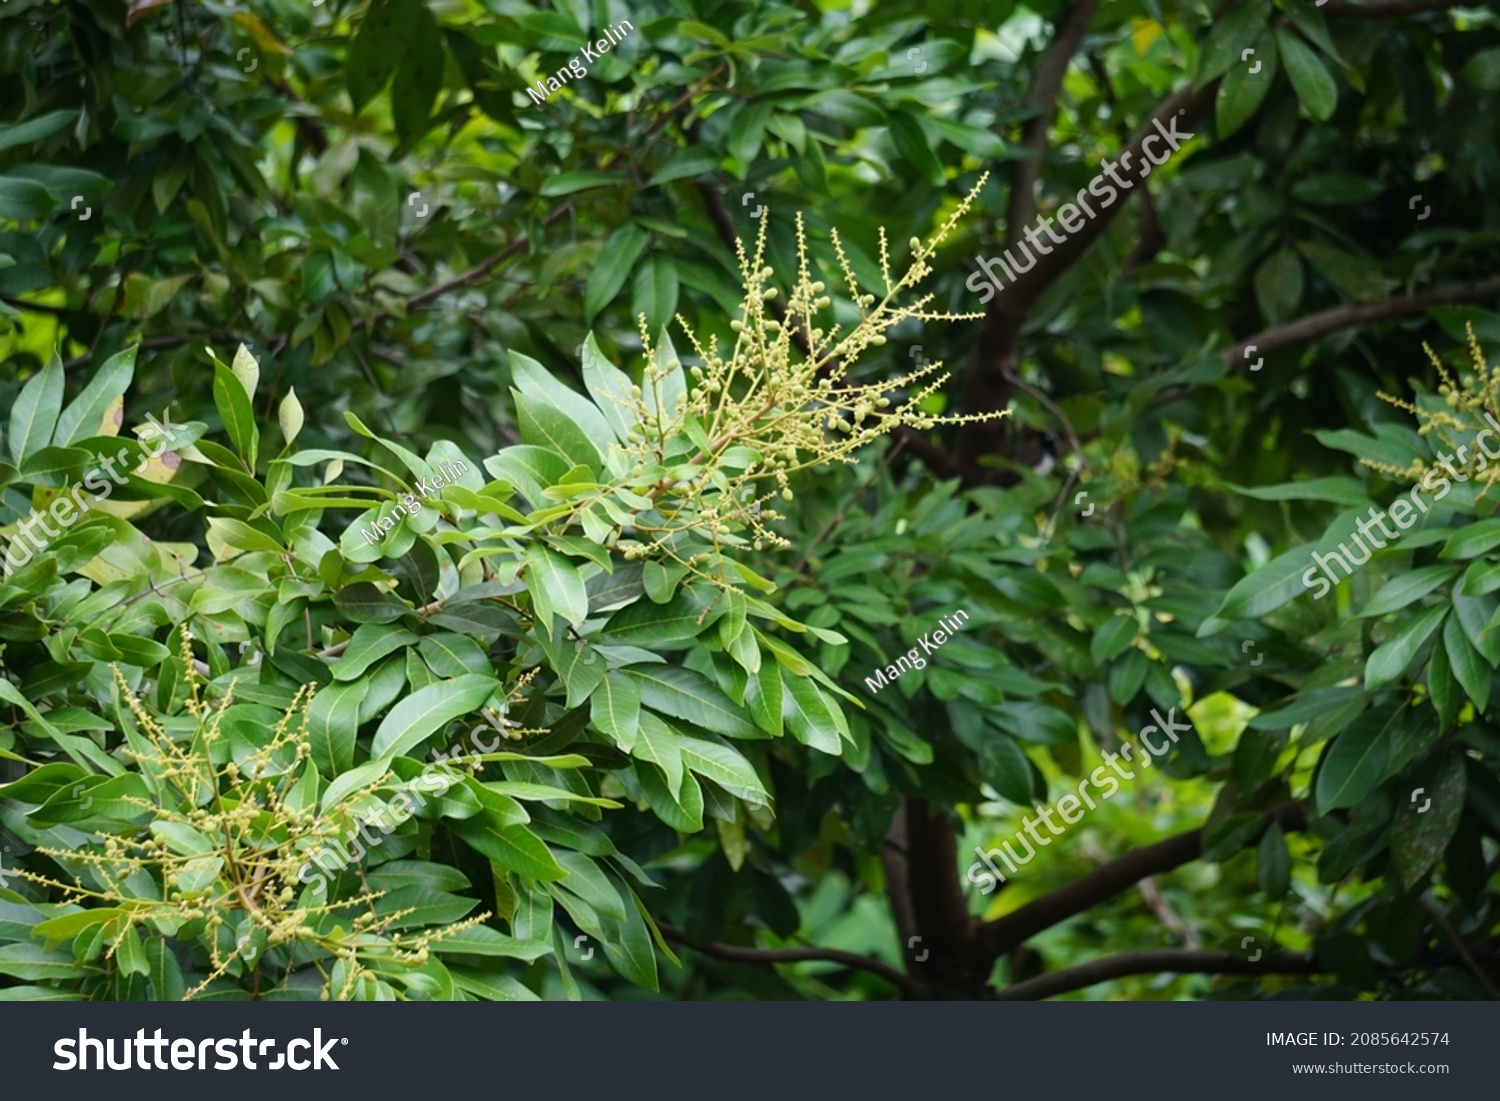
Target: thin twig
{"x":740,"y":954}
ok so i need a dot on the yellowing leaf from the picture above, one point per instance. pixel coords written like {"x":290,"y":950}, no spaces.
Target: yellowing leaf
{"x":114,"y":417}
{"x":1143,"y":33}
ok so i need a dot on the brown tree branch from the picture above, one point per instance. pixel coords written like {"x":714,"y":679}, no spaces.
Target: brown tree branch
{"x":1345,"y":317}
{"x":474,"y":274}
{"x":1193,"y":107}
{"x":740,"y":954}
{"x":1153,"y":961}
{"x":1046,"y":84}
{"x":1440,"y":919}
{"x":997,"y":353}
{"x":1087,"y":891}
{"x":954,"y":959}
{"x":156,"y":343}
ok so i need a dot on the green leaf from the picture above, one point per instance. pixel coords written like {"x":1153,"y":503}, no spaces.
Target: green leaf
{"x":1352,"y":766}
{"x":535,"y":381}
{"x":694,"y":160}
{"x":1359,"y":278}
{"x":1482,"y":71}
{"x":1427,"y":817}
{"x":610,"y":388}
{"x":1390,"y":659}
{"x":24,"y":200}
{"x":32,"y":961}
{"x":1468,"y":667}
{"x":376,"y":49}
{"x":544,"y":792}
{"x":1276,"y":583}
{"x":1407,"y":588}
{"x":725,"y":766}
{"x":1380,"y":449}
{"x":1312,"y":82}
{"x":419,"y":76}
{"x":130,"y":954}
{"x":369,"y":644}
{"x":1242,"y":92}
{"x":1443,"y":686}
{"x":513,"y":847}
{"x":426,"y":710}
{"x":543,"y":424}
{"x":763,"y":697}
{"x":481,"y":940}
{"x":811,"y":717}
{"x":60,"y":930}
{"x":655,"y":291}
{"x":164,"y":972}
{"x":1310,"y":22}
{"x":235,"y":411}
{"x":1036,"y":722}
{"x":1113,"y":638}
{"x":686,"y":813}
{"x":1278,"y":287}
{"x":686,"y":616}
{"x":1230,"y":34}
{"x":1255,"y":757}
{"x":629,"y":949}
{"x":1477,"y":614}
{"x":364,"y":603}
{"x":748,"y":132}
{"x":449,"y":654}
{"x":914,"y":148}
{"x":1005,"y":767}
{"x":565,"y":183}
{"x":1480,"y":578}
{"x":289,"y":416}
{"x":332,"y":723}
{"x":684,"y":694}
{"x":246,"y":368}
{"x":23,"y":133}
{"x":555,"y":587}
{"x":1472,"y":540}
{"x":615,"y":264}
{"x":529,"y":469}
{"x":1275,"y":863}
{"x":658,"y":744}
{"x":85,"y":413}
{"x":118,"y":798}
{"x":615,"y":708}
{"x":241,"y":536}
{"x":587,"y":883}
{"x":34,"y":415}
{"x":428,"y":906}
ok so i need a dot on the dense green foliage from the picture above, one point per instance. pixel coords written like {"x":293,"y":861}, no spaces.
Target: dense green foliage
{"x":683,"y":759}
